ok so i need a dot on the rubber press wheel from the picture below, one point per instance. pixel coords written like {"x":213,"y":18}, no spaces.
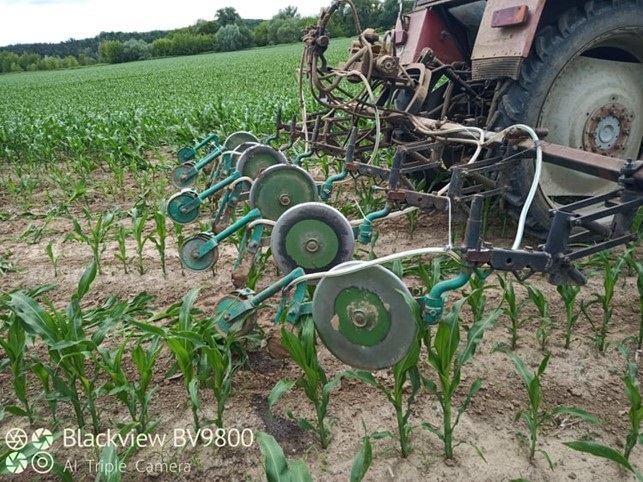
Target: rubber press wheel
{"x":178,"y":202}
{"x":279,"y":188}
{"x":189,"y":253}
{"x":313,"y":236}
{"x":257,"y":158}
{"x":221,"y":314}
{"x":365,"y":318}
{"x":184,"y":175}
{"x":240,"y":137}
{"x":583,"y":82}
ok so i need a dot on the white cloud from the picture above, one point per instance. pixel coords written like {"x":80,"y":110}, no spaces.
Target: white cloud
{"x":32,"y":21}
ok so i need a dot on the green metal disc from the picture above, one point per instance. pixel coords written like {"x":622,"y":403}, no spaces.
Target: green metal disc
{"x":313,"y":236}
{"x":189,"y":253}
{"x":281,"y":187}
{"x":223,"y":313}
{"x":184,"y":176}
{"x":365,"y":318}
{"x":185,"y":154}
{"x":240,"y":137}
{"x":257,"y":158}
{"x":177,"y":204}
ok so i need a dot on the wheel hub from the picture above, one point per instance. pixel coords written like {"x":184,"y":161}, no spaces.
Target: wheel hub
{"x":365,"y":318}
{"x":607,"y":129}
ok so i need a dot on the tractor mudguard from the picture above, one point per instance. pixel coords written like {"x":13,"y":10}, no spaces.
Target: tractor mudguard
{"x":504,"y":38}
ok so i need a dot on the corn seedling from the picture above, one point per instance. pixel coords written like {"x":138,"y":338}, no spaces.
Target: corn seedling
{"x":447,"y":361}
{"x":363,"y":459}
{"x":404,"y":370}
{"x":542,"y":305}
{"x":634,"y":436}
{"x":136,"y":396}
{"x":109,"y":466}
{"x":511,"y":308}
{"x":13,"y":343}
{"x":139,"y":216}
{"x":49,"y":249}
{"x":477,"y":300}
{"x":121,"y":254}
{"x":637,"y":267}
{"x":64,"y":335}
{"x":276,"y":466}
{"x":534,"y":417}
{"x":96,"y":237}
{"x":568,"y":293}
{"x":160,"y":236}
{"x":219,"y":358}
{"x":302,"y":349}
{"x":610,"y":277}
{"x":184,"y":343}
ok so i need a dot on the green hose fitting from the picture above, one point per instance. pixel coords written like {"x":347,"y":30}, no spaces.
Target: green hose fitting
{"x":433,"y":303}
{"x":366,"y":228}
{"x":326,"y":188}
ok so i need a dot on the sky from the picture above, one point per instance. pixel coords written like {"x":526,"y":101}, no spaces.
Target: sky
{"x":53,"y":21}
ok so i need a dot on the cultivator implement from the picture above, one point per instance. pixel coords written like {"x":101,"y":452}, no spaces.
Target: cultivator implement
{"x":425,"y":130}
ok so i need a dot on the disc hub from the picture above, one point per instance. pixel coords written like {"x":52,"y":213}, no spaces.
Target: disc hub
{"x":607,"y":129}
{"x":285,"y":200}
{"x":312,"y":245}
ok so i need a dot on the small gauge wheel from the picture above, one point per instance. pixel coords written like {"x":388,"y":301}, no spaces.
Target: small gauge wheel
{"x":184,"y":176}
{"x":181,"y":208}
{"x":189,"y":253}
{"x":313,"y":236}
{"x":258,"y":158}
{"x":365,"y":318}
{"x":235,"y":139}
{"x":185,"y":154}
{"x":281,"y":187}
{"x":241,"y":326}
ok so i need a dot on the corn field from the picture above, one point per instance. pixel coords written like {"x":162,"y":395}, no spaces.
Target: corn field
{"x":113,"y":367}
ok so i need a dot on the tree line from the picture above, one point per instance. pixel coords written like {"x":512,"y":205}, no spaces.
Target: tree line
{"x":226,"y":32}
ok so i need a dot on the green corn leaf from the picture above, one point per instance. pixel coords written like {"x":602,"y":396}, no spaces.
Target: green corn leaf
{"x":185,"y":313}
{"x":382,"y":434}
{"x":364,"y":376}
{"x":299,"y":472}
{"x":34,"y":319}
{"x":14,"y":410}
{"x":275,"y":464}
{"x":475,"y":334}
{"x":108,"y":459}
{"x":576,"y":412}
{"x":86,"y":280}
{"x":362,"y":461}
{"x":599,"y":450}
{"x":193,"y":390}
{"x":303,"y":423}
{"x":279,"y":389}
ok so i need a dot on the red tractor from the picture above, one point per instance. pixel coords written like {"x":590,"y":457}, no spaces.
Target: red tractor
{"x":572,"y":67}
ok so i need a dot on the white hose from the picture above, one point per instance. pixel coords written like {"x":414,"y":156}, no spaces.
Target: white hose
{"x":367,"y":264}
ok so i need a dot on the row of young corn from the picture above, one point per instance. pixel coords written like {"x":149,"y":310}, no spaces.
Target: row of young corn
{"x":78,"y":357}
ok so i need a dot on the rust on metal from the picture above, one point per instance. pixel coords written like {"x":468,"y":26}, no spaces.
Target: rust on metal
{"x":509,"y":17}
{"x":506,"y":46}
{"x":591,"y":163}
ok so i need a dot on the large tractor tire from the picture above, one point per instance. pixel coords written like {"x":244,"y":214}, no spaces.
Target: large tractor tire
{"x":583,"y":81}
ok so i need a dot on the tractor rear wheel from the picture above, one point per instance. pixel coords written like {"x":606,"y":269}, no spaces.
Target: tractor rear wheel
{"x":583,"y":81}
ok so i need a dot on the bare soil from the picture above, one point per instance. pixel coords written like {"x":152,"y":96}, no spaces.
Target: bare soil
{"x":578,"y":376}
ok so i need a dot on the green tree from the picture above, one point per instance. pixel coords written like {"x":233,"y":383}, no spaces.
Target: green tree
{"x":111,"y":51}
{"x":230,"y":38}
{"x":227,"y":16}
{"x":260,"y":34}
{"x":288,"y":12}
{"x":162,"y":47}
{"x":137,"y":50}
